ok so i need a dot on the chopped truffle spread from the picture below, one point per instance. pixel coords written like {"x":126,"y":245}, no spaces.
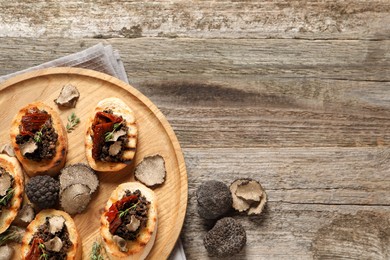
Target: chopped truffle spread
{"x":6,"y":188}
{"x":109,"y":137}
{"x":54,"y":246}
{"x":37,"y":138}
{"x":128,"y":215}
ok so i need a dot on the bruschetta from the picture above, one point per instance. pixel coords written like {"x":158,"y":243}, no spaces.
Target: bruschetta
{"x":39,"y":139}
{"x":111,"y":136}
{"x":11,"y":190}
{"x":128,"y":225}
{"x":51,"y":235}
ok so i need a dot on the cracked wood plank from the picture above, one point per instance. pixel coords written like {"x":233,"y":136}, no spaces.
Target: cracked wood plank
{"x":313,"y":19}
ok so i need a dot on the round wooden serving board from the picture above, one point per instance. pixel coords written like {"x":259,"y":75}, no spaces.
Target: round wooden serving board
{"x":155,"y":137}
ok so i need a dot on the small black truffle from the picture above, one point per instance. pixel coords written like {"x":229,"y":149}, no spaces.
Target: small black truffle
{"x":226,"y":238}
{"x":214,"y":199}
{"x":43,"y":191}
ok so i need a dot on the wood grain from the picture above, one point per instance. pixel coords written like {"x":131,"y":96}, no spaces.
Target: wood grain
{"x":308,"y":118}
{"x":319,"y":94}
{"x":201,"y":19}
{"x":323,"y":203}
{"x":155,"y":137}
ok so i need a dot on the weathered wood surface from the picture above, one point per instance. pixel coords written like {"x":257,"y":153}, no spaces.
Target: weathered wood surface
{"x":206,"y":19}
{"x":308,"y":118}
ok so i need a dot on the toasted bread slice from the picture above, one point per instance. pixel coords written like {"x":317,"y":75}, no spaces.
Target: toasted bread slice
{"x":45,"y":166}
{"x":139,"y":248}
{"x":119,"y":108}
{"x":8,"y":214}
{"x":73,"y":253}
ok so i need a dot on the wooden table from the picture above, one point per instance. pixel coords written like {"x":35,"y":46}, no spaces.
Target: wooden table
{"x":295,"y":94}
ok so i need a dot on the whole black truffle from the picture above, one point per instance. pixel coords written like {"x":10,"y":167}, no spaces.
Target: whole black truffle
{"x":43,"y":191}
{"x":226,"y":238}
{"x":214,"y":199}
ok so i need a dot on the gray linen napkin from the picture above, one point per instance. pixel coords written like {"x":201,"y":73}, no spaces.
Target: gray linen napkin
{"x":101,"y":58}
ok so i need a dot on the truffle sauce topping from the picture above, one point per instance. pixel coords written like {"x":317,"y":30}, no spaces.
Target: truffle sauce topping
{"x":132,"y":208}
{"x":37,"y":137}
{"x":51,"y":241}
{"x":104,"y":147}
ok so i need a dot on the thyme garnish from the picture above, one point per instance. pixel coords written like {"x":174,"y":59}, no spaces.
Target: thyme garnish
{"x":38,"y":136}
{"x":108,"y":136}
{"x":73,"y":121}
{"x":13,"y":233}
{"x":96,"y":251}
{"x":44,"y":254}
{"x":5,"y":199}
{"x":123,"y":213}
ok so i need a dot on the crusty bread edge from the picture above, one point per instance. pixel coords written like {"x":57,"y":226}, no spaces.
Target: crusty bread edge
{"x":11,"y":165}
{"x":74,"y":253}
{"x":45,"y":167}
{"x":140,"y":248}
{"x":119,"y":108}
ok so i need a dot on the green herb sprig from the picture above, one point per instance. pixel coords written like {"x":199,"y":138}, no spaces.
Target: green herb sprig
{"x":44,"y":254}
{"x":108,"y":136}
{"x":38,"y":135}
{"x":123,"y":213}
{"x":5,"y":199}
{"x":73,"y":121}
{"x":13,"y":233}
{"x":96,"y":251}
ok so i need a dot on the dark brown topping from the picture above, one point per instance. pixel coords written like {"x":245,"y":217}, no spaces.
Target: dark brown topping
{"x":43,"y":235}
{"x":102,"y":124}
{"x":37,"y":138}
{"x":124,"y":214}
{"x":107,"y":130}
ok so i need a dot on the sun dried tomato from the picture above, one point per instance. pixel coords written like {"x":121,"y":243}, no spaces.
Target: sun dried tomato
{"x":102,"y":123}
{"x":33,"y":121}
{"x":112,"y":215}
{"x":35,"y":252}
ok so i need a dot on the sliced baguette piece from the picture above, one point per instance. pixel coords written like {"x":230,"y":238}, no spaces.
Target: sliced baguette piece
{"x":74,"y":252}
{"x":47,"y":166}
{"x":139,"y":248}
{"x":119,"y":108}
{"x":8,"y":214}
